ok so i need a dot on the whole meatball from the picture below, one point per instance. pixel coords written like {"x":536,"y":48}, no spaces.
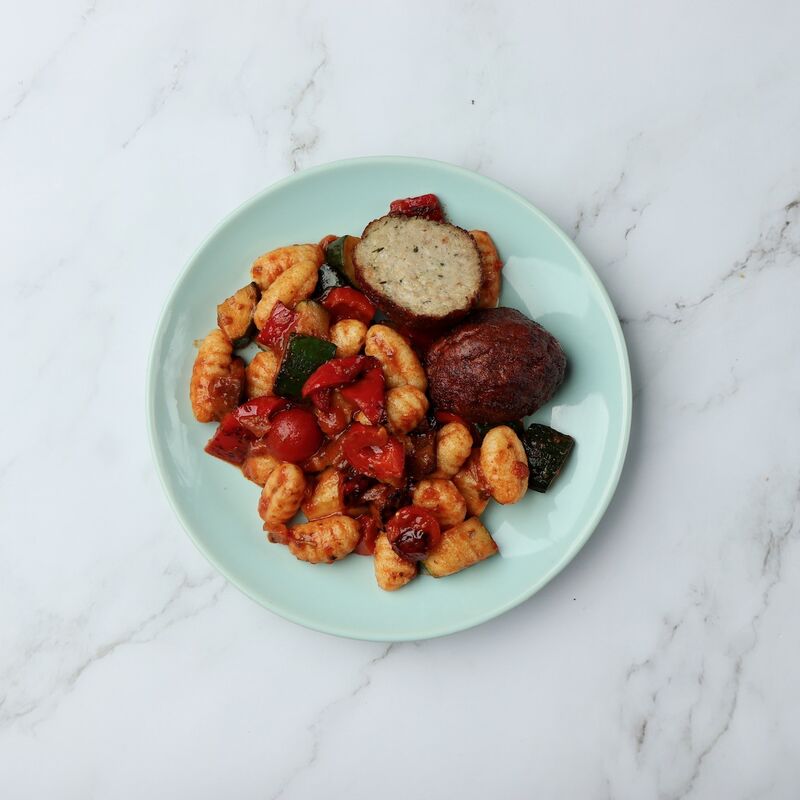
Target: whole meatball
{"x":495,"y":367}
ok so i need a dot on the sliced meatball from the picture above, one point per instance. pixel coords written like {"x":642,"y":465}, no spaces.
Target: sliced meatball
{"x":419,"y":272}
{"x":497,"y":366}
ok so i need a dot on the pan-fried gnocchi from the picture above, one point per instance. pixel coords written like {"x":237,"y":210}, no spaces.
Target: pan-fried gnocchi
{"x":348,"y":335}
{"x":406,"y":407}
{"x":491,"y":267}
{"x":453,"y":446}
{"x":217,"y":378}
{"x":460,"y":547}
{"x":504,"y":464}
{"x":399,"y":362}
{"x":350,"y":449}
{"x":261,"y":372}
{"x":281,"y":496}
{"x":289,"y":288}
{"x":324,"y":540}
{"x":312,"y":319}
{"x":235,"y":315}
{"x":267,"y":268}
{"x":441,"y":497}
{"x":327,"y":495}
{"x":471,"y":482}
{"x":391,"y":571}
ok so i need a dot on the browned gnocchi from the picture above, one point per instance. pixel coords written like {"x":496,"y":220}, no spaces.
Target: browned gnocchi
{"x":504,"y":465}
{"x":324,"y":540}
{"x":400,"y":364}
{"x":217,"y":378}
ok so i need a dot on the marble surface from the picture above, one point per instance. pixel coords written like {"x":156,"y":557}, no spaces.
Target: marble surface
{"x":664,"y":662}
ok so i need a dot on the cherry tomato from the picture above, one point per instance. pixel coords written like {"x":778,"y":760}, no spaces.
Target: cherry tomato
{"x":231,"y":441}
{"x":294,"y":435}
{"x":370,"y":528}
{"x":346,"y":303}
{"x":280,"y":323}
{"x":413,"y":532}
{"x":426,"y":205}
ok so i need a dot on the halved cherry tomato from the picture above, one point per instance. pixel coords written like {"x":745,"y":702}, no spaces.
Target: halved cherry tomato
{"x":294,"y":435}
{"x":368,"y":393}
{"x":370,"y":528}
{"x":413,"y":532}
{"x":279,"y":325}
{"x":338,"y":372}
{"x":254,"y":415}
{"x":346,"y":303}
{"x":426,"y":205}
{"x":371,"y":451}
{"x":231,"y":441}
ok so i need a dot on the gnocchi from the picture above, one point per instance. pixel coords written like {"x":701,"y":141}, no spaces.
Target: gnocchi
{"x":260,"y":374}
{"x":327,"y":496}
{"x":505,"y":465}
{"x":453,"y":446}
{"x":281,"y":497}
{"x":312,"y":319}
{"x":471,"y":482}
{"x":406,"y":407}
{"x":441,"y":497}
{"x":269,"y":267}
{"x":399,"y":362}
{"x":289,"y":288}
{"x":257,"y":467}
{"x":235,"y":315}
{"x":324,"y":540}
{"x":460,"y":547}
{"x":348,"y":335}
{"x":392,"y":572}
{"x":217,"y":378}
{"x":491,"y":266}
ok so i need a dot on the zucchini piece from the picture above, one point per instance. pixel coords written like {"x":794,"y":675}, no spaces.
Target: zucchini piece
{"x":340,"y":255}
{"x":484,"y":427}
{"x":329,"y":278}
{"x":303,"y":355}
{"x":235,"y":315}
{"x":547,"y":451}
{"x":460,"y":547}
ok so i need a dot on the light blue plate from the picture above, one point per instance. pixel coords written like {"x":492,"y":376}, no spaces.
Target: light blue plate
{"x":545,"y":276}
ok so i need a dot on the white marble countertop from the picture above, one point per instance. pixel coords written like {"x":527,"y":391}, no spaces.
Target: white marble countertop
{"x":664,"y":662}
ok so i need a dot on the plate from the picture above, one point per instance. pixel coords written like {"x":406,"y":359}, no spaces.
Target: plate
{"x":545,"y":276}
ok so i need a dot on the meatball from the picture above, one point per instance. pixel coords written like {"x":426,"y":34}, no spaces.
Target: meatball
{"x":495,"y":367}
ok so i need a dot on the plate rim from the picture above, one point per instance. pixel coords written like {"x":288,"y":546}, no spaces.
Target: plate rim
{"x":608,"y":491}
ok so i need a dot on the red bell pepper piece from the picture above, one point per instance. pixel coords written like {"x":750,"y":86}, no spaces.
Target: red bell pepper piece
{"x":346,"y":303}
{"x":280,"y":323}
{"x":371,"y":451}
{"x":338,"y":372}
{"x":231,"y":441}
{"x":426,"y":205}
{"x":448,"y":416}
{"x":254,"y":415}
{"x":368,"y":393}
